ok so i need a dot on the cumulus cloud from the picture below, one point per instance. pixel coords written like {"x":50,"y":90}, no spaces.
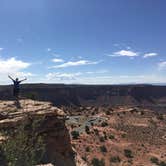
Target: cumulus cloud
{"x":147,"y":55}
{"x":12,"y":65}
{"x":76,"y":63}
{"x":127,"y":53}
{"x":57,"y":60}
{"x":162,"y":65}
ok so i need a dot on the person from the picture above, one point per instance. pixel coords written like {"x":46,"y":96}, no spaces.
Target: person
{"x":16,"y":87}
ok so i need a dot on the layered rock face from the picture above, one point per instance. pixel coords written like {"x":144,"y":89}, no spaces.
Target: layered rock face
{"x":57,"y":139}
{"x":93,"y":95}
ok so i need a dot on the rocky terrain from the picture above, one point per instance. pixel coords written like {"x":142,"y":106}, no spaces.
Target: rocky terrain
{"x":86,"y":125}
{"x":120,"y":136}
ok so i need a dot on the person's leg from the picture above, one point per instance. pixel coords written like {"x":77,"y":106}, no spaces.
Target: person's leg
{"x":16,"y":93}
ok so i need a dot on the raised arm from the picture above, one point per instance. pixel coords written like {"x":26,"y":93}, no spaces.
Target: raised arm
{"x":23,"y":80}
{"x":10,"y":77}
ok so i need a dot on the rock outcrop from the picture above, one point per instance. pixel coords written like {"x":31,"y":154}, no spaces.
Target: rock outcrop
{"x":57,"y":139}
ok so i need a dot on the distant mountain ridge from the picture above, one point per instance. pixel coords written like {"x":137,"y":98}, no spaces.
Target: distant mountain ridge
{"x":92,"y":95}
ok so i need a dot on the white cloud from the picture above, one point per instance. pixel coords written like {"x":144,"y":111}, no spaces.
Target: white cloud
{"x":1,"y":48}
{"x":162,"y":65}
{"x":12,"y":65}
{"x":62,"y":76}
{"x":76,"y":63}
{"x":23,"y":74}
{"x":147,"y":55}
{"x":55,"y":54}
{"x":83,"y":78}
{"x":57,"y":60}
{"x":127,"y":53}
{"x":97,"y":72}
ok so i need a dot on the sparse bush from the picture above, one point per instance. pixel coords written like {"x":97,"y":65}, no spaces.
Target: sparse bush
{"x":108,"y":112}
{"x":97,"y":162}
{"x":154,"y":160}
{"x":87,"y":129}
{"x":115,"y":159}
{"x":105,"y":135}
{"x":103,"y":149}
{"x":102,"y":139}
{"x":87,"y":149}
{"x":84,"y":158}
{"x":104,"y":124}
{"x":111,"y":136}
{"x":128,"y":153}
{"x":162,"y":163}
{"x":96,"y":131}
{"x":142,"y":113}
{"x":75,"y":134}
{"x":123,"y":135}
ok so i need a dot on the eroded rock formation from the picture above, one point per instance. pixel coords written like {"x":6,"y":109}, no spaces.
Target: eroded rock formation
{"x":57,"y":139}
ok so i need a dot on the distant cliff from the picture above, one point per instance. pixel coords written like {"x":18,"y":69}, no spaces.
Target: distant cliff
{"x":91,"y":95}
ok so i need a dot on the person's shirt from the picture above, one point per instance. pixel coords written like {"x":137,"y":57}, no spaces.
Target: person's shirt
{"x":16,"y":84}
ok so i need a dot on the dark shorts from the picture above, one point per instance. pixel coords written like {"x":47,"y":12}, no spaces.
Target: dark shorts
{"x":16,"y":92}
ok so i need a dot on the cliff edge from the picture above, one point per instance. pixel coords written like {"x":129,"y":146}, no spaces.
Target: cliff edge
{"x":58,"y":150}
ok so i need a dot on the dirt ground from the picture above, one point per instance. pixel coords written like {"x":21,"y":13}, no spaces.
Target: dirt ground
{"x":120,"y":136}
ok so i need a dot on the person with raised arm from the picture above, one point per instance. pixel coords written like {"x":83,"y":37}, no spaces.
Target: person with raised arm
{"x":16,"y":87}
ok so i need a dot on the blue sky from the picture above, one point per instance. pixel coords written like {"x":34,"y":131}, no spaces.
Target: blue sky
{"x":83,"y":41}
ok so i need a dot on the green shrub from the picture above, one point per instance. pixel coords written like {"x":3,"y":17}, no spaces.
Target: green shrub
{"x":103,"y":149}
{"x":97,"y":162}
{"x":154,"y":160}
{"x":102,"y":139}
{"x":84,"y":158}
{"x":162,"y":163}
{"x":142,"y":113}
{"x":87,"y":149}
{"x":87,"y":129}
{"x":128,"y":153}
{"x":123,"y":135}
{"x":111,"y":136}
{"x":115,"y":159}
{"x":105,"y":135}
{"x":96,"y":131}
{"x":108,"y":112}
{"x":104,"y":124}
{"x":75,"y":134}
